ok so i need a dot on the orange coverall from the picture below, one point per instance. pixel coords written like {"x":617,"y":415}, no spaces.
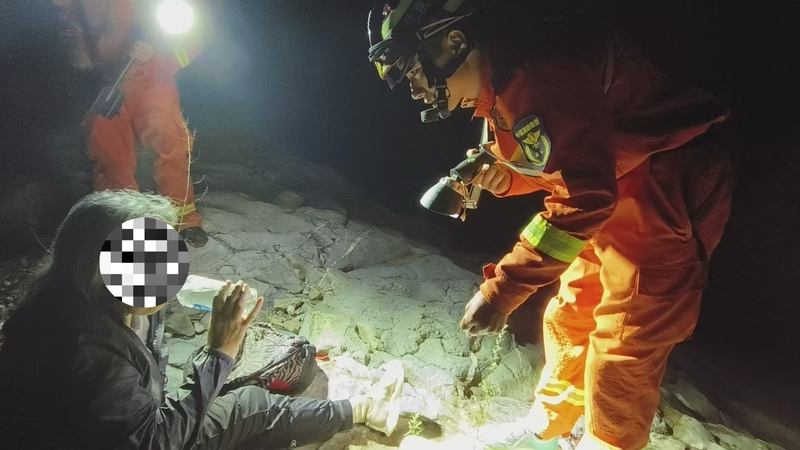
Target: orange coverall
{"x":639,"y":196}
{"x":150,"y":113}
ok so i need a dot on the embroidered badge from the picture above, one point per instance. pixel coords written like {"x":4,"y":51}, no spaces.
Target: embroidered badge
{"x":535,"y":143}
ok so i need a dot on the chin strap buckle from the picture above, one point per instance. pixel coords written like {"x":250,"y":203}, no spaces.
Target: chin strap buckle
{"x":439,"y":110}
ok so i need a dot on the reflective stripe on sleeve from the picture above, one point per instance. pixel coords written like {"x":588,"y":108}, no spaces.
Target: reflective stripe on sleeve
{"x":551,"y":241}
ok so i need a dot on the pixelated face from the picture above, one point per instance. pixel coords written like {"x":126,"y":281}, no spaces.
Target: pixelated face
{"x":144,"y":262}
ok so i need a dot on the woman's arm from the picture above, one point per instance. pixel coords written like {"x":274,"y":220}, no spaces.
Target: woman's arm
{"x":121,"y":400}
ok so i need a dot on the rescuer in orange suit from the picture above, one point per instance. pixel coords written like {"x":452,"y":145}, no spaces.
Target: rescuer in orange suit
{"x":639,"y":193}
{"x":102,"y":35}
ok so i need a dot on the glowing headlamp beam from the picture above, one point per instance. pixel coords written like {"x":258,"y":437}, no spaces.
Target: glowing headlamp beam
{"x":175,"y":16}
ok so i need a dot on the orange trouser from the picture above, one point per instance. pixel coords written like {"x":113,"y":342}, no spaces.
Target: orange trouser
{"x":151,"y":114}
{"x":630,"y":296}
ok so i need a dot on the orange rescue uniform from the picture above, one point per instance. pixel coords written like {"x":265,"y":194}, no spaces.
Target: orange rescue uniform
{"x":639,"y":196}
{"x":151,"y":112}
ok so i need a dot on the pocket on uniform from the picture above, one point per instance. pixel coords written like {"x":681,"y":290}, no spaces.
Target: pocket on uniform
{"x":665,"y":308}
{"x":672,"y":279}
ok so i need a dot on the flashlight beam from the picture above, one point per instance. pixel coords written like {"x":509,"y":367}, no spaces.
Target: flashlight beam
{"x":175,"y":16}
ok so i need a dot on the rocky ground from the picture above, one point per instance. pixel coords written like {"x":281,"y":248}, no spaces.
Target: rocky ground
{"x":365,"y":293}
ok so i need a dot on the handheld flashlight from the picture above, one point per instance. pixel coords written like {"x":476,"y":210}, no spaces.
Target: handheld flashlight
{"x":454,"y":195}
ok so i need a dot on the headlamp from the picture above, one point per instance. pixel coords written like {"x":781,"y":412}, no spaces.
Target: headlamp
{"x":396,"y":32}
{"x":175,"y":16}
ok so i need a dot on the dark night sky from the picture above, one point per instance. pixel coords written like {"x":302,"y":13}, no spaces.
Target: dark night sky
{"x":295,"y":75}
{"x":292,"y":76}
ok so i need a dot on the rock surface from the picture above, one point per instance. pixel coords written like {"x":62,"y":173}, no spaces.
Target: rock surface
{"x":289,"y":200}
{"x":690,"y":431}
{"x":365,"y":295}
{"x":180,"y":324}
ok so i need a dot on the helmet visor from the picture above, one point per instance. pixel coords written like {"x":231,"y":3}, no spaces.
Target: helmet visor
{"x":392,"y":65}
{"x":395,"y":73}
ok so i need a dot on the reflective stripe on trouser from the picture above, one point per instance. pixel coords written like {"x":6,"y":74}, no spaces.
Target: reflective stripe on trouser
{"x":568,"y":321}
{"x":626,"y":301}
{"x":150,"y":114}
{"x":188,"y":215}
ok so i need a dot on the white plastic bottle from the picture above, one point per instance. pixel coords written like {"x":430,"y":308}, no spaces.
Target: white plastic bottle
{"x":198,"y":292}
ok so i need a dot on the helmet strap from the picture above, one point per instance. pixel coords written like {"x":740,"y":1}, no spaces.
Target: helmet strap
{"x":439,"y":110}
{"x":437,"y":78}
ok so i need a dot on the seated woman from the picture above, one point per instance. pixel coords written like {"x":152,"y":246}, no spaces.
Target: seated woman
{"x":73,"y":373}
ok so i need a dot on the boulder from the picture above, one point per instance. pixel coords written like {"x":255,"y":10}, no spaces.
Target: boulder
{"x":668,"y":413}
{"x":289,"y":200}
{"x":696,"y":402}
{"x":515,"y":375}
{"x":659,"y":425}
{"x":732,"y":440}
{"x":690,"y":431}
{"x":431,"y":353}
{"x":330,"y":331}
{"x":660,"y":442}
{"x":180,"y":324}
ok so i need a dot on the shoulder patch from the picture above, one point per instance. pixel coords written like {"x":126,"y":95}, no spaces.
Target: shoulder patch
{"x":530,"y":135}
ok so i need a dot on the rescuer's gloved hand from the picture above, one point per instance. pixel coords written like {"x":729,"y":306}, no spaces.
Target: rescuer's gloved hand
{"x":81,"y":60}
{"x":495,"y":178}
{"x":480,"y":317}
{"x":141,"y":52}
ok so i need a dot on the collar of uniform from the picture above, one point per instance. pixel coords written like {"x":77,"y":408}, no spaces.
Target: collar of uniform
{"x":486,"y":98}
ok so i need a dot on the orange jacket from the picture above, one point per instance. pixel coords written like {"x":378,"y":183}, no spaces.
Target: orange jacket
{"x":101,"y":33}
{"x":583,"y":125}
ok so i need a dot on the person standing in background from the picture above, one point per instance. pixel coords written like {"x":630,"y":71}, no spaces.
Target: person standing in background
{"x":101,"y":35}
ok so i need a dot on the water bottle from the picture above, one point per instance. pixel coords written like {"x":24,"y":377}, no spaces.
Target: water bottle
{"x":198,"y":292}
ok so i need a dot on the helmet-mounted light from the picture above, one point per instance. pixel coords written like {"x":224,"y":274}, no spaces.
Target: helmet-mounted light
{"x":394,"y":49}
{"x":175,"y":16}
{"x":396,"y":36}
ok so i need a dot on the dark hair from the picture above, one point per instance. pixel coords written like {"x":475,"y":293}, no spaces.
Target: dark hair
{"x":64,"y":290}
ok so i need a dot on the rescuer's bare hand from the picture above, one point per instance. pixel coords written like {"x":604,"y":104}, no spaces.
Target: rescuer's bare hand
{"x":494,"y":178}
{"x":141,"y":52}
{"x":228,"y":326}
{"x":480,"y":317}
